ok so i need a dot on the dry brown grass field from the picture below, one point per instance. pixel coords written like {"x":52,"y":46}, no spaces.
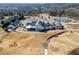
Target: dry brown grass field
{"x":32,"y":43}
{"x":64,"y":43}
{"x":24,"y":42}
{"x":73,"y":25}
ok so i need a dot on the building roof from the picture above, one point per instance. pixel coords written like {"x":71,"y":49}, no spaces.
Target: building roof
{"x":16,"y":23}
{"x":29,"y":26}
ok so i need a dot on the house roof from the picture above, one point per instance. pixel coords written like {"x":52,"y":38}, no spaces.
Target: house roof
{"x":29,"y":26}
{"x":16,"y":23}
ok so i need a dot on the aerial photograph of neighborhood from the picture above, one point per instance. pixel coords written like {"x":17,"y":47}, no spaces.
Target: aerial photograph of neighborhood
{"x":39,"y":29}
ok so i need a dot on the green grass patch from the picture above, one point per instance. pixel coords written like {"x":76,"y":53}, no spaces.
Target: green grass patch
{"x":45,"y":20}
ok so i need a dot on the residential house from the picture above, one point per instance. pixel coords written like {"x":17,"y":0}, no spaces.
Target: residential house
{"x":13,"y":25}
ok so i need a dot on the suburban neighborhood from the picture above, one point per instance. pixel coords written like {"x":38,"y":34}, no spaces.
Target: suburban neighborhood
{"x":39,"y":29}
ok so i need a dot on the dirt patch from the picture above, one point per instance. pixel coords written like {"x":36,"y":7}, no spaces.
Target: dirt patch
{"x":74,"y":52}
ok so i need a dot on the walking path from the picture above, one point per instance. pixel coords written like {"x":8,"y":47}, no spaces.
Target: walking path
{"x":48,"y":40}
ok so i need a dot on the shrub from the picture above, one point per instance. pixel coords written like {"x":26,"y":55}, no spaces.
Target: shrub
{"x":13,"y":45}
{"x":74,"y":52}
{"x":1,"y":49}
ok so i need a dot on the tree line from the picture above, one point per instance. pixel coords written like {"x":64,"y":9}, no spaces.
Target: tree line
{"x":71,"y":12}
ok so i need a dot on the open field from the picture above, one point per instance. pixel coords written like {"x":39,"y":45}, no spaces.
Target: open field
{"x":24,"y":42}
{"x":64,"y":43}
{"x":73,"y":25}
{"x":32,"y":43}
